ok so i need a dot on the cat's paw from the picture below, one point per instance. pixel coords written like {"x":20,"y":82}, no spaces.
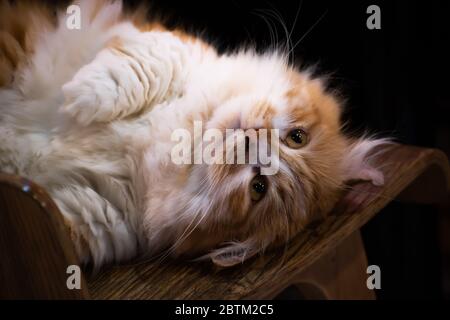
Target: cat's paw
{"x":90,"y":96}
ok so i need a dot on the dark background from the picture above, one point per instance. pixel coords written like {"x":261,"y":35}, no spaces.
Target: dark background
{"x":396,"y":82}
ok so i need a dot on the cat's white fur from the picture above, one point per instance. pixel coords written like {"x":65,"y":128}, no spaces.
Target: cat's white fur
{"x":93,"y":125}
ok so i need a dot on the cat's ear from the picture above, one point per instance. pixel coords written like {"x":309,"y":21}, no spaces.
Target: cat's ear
{"x":359,"y":160}
{"x":232,"y":254}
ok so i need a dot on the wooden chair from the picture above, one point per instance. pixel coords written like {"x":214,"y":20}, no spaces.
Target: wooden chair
{"x":326,"y":261}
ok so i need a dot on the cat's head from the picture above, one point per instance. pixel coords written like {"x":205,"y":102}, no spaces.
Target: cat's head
{"x":229,"y":212}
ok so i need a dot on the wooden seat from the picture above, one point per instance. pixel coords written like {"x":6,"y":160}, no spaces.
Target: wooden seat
{"x":325,"y":261}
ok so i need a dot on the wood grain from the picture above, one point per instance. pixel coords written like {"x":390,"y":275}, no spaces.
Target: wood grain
{"x":35,"y":248}
{"x":35,"y":245}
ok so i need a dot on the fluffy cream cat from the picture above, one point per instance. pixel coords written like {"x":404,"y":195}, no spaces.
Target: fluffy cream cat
{"x":89,"y":114}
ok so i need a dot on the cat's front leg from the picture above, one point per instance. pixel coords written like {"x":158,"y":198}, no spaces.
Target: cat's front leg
{"x":129,"y":75}
{"x":100,"y":232}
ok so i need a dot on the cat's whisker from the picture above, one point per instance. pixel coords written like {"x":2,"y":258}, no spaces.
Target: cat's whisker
{"x":166,"y":253}
{"x":297,"y":14}
{"x":288,"y":42}
{"x":187,"y":233}
{"x":308,"y":32}
{"x":272,"y":30}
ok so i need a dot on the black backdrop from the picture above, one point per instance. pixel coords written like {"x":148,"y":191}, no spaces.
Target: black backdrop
{"x":396,"y":82}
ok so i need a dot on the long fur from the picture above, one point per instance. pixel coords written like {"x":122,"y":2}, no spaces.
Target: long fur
{"x":89,"y":115}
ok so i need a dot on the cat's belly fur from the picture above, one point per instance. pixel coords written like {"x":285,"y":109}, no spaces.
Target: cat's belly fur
{"x":89,"y":174}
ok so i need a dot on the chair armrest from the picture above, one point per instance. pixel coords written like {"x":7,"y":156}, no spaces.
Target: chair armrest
{"x":34,"y":243}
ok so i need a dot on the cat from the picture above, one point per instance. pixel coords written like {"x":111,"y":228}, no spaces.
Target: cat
{"x":89,"y":114}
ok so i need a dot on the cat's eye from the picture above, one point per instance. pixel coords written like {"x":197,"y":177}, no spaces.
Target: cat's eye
{"x":258,"y":187}
{"x":296,"y":138}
